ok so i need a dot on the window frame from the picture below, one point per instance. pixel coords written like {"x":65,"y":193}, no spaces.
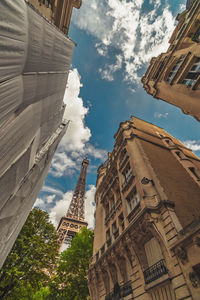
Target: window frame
{"x":131,"y":204}
{"x":194,"y":81}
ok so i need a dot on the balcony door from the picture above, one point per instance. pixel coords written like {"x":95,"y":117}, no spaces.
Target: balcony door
{"x":153,"y":252}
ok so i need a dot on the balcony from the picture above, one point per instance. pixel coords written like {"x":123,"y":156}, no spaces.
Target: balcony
{"x":156,"y":271}
{"x":119,"y":292}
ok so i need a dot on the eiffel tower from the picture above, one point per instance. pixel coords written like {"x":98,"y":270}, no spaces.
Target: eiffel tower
{"x":75,"y":218}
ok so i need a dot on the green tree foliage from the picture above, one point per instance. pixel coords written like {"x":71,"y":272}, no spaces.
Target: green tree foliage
{"x":31,"y":260}
{"x":71,"y":279}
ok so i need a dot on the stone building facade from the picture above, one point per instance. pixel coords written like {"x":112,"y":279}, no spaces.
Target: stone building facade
{"x":147,"y":225}
{"x":35,"y":58}
{"x":59,"y":12}
{"x":174,"y":76}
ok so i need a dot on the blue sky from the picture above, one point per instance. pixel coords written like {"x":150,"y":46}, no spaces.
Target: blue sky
{"x":115,"y":41}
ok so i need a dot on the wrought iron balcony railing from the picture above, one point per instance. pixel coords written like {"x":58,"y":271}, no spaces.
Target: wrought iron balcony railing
{"x":155,"y":271}
{"x":120,"y":292}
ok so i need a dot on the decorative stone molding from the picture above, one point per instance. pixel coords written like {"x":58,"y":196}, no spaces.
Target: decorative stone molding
{"x":182,"y":255}
{"x":194,"y":278}
{"x":197,"y":241}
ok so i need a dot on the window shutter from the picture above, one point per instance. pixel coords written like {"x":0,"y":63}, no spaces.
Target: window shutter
{"x":153,"y":252}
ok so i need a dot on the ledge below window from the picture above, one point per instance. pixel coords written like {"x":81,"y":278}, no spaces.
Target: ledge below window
{"x":157,"y":282}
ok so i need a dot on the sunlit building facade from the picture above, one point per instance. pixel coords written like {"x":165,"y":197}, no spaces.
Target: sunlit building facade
{"x":147,"y":225}
{"x":174,"y":76}
{"x":35,"y":58}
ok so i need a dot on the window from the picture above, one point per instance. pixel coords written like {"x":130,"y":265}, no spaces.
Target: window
{"x":180,"y":31}
{"x":132,"y":200}
{"x":114,"y":227}
{"x":175,"y":69}
{"x":155,"y":261}
{"x":123,"y":157}
{"x":161,"y":67}
{"x":193,"y":170}
{"x":126,"y":175}
{"x":196,"y":36}
{"x":191,"y":77}
{"x":112,"y":203}
{"x":153,"y":252}
{"x":107,"y":210}
{"x":179,"y":154}
{"x":169,"y":142}
{"x":121,"y":221}
{"x":108,"y":235}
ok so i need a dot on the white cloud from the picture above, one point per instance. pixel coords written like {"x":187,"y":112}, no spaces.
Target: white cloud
{"x":60,"y":208}
{"x":62,"y":164}
{"x":75,"y":144}
{"x":158,"y":115}
{"x":77,"y":133}
{"x":182,"y":7}
{"x":124,"y":25}
{"x":44,"y":202}
{"x":193,"y":145}
{"x":51,"y":190}
{"x":95,"y":152}
{"x":39,"y":203}
{"x":111,"y":69}
{"x":50,"y":198}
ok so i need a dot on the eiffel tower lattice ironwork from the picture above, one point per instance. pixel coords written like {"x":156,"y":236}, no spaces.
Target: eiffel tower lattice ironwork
{"x":75,"y":218}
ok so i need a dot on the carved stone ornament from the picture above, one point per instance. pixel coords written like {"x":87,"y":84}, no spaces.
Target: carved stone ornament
{"x":182,"y":255}
{"x":194,"y":279}
{"x":145,"y":180}
{"x":197,"y":241}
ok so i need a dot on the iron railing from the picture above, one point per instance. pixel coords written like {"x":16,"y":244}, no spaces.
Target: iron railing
{"x":119,"y":292}
{"x":155,"y":271}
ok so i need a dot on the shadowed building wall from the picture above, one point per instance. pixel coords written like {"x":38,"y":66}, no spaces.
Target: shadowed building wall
{"x":147,"y":221}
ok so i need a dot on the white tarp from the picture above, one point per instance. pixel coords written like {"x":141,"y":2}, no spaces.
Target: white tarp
{"x":13,"y":38}
{"x":33,"y":48}
{"x":35,"y":59}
